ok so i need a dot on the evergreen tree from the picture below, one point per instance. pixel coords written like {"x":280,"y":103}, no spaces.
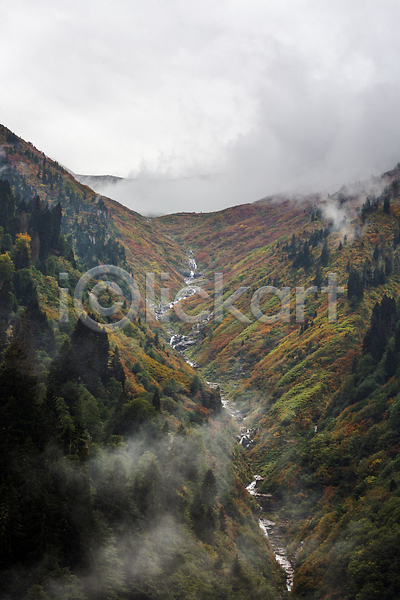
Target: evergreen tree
{"x":381,"y":328}
{"x":116,"y":369}
{"x":156,"y":400}
{"x":56,"y":217}
{"x":63,"y":367}
{"x":367,"y":274}
{"x":292,"y":246}
{"x":209,"y":489}
{"x":324,"y":254}
{"x":390,"y":363}
{"x":386,"y":205}
{"x":379,"y":277}
{"x":388,"y":266}
{"x":91,"y":351}
{"x":355,"y":285}
{"x":19,"y":412}
{"x":397,"y":339}
{"x":6,"y":243}
{"x":317,"y":279}
{"x":306,"y":256}
{"x":6,"y":286}
{"x":236,"y":567}
{"x":195,"y":385}
{"x":7,"y":208}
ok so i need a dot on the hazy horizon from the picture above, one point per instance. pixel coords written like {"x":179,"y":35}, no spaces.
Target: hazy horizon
{"x":263,"y":98}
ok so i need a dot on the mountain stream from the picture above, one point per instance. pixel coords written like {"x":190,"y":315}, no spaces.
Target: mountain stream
{"x":180,"y":343}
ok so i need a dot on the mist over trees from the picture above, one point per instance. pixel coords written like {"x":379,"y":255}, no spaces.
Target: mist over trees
{"x":121,"y":474}
{"x":109,"y":477}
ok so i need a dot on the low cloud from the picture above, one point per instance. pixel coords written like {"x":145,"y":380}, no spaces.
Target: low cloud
{"x":262,"y":98}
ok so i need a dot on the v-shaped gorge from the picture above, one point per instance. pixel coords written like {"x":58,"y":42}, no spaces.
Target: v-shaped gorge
{"x":315,"y":380}
{"x":124,"y":475}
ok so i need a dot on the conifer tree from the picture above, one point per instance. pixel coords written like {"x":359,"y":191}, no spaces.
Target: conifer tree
{"x":355,"y":285}
{"x":386,"y":205}
{"x":397,"y":339}
{"x":156,"y":400}
{"x":236,"y":567}
{"x":209,"y":488}
{"x":306,"y":256}
{"x":381,"y":328}
{"x":6,"y":285}
{"x":324,"y":254}
{"x":116,"y":369}
{"x":390,"y":363}
{"x":7,"y":207}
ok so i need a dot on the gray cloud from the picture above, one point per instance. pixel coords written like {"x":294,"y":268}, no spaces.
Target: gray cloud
{"x":263,"y":97}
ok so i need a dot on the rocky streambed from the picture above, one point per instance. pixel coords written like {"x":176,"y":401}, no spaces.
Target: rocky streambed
{"x":271,"y":529}
{"x":179,"y":341}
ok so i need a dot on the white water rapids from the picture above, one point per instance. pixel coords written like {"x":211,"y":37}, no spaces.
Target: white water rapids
{"x":179,"y":342}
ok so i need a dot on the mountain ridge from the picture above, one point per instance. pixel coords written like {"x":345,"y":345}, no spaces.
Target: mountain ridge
{"x":117,"y":472}
{"x":322,"y":396}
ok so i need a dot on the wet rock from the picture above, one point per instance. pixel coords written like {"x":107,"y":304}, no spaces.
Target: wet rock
{"x":244,"y":438}
{"x":180,"y":342}
{"x":272,"y":531}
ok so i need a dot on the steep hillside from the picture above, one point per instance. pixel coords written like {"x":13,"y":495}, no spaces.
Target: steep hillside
{"x":317,"y":380}
{"x":98,"y":229}
{"x":321,"y":392}
{"x":120,"y":474}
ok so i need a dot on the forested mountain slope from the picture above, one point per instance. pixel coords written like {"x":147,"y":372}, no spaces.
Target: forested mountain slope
{"x":98,"y":229}
{"x":118,"y":480}
{"x":121,"y":422}
{"x":322,"y":393}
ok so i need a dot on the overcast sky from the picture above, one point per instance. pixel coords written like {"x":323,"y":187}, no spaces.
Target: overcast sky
{"x":262,"y":96}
